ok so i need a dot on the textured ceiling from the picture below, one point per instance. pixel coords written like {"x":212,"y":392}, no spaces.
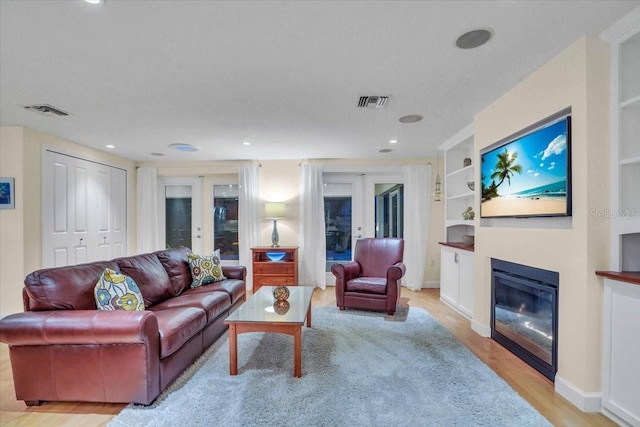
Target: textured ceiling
{"x":285,"y":76}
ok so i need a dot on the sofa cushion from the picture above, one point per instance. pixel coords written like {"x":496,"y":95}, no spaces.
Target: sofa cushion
{"x":214,"y":303}
{"x":65,"y":288}
{"x":151,"y":277}
{"x":205,"y":269}
{"x":235,"y":289}
{"x":175,"y":263}
{"x":117,"y":292}
{"x":177,"y":326}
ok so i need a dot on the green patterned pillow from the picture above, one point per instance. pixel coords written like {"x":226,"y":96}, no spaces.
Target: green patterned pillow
{"x":115,"y":291}
{"x":205,"y":269}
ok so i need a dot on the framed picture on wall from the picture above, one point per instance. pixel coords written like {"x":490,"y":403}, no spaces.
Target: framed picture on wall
{"x":7,"y":194}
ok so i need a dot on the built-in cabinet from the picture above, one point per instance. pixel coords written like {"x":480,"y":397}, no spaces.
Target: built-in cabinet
{"x":621,"y":340}
{"x":456,"y":279}
{"x":624,"y":39}
{"x":456,"y":257}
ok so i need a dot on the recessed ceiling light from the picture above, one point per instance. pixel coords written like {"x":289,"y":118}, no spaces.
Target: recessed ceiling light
{"x":393,"y":141}
{"x":385,"y":150}
{"x":474,"y":38}
{"x":246,"y":143}
{"x":111,"y":146}
{"x":157,"y":154}
{"x":93,"y":1}
{"x":186,"y":148}
{"x":411,"y":118}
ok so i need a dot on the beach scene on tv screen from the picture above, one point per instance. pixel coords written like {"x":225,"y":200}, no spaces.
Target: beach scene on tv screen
{"x":527,"y":176}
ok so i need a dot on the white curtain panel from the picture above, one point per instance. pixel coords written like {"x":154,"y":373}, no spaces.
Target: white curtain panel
{"x":312,"y":251}
{"x":417,"y":203}
{"x":248,"y":216}
{"x":147,"y":210}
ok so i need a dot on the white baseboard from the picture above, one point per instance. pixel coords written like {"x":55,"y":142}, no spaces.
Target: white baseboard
{"x":480,"y":329}
{"x":585,"y":401}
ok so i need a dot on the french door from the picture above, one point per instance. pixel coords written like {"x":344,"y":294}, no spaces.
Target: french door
{"x":360,"y":205}
{"x":180,"y":212}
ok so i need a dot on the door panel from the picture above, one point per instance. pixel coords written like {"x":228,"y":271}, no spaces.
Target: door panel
{"x":80,"y":203}
{"x":180,"y":213}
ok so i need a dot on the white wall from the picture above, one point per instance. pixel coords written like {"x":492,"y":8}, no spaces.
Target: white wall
{"x":577,"y":77}
{"x":21,"y":156}
{"x":12,"y":223}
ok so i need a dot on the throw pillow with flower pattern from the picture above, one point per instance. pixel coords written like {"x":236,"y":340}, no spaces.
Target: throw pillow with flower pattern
{"x":205,"y":269}
{"x":115,"y":291}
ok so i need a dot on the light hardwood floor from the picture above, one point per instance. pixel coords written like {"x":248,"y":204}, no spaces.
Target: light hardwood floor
{"x":531,"y":385}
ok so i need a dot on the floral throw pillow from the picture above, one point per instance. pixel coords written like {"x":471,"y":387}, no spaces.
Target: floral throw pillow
{"x":205,"y":269}
{"x":115,"y":291}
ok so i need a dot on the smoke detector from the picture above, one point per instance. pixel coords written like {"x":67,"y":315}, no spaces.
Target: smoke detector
{"x":46,"y":110}
{"x":372,"y":101}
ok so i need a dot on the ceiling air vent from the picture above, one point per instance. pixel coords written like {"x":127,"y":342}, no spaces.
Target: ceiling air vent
{"x":374,"y":101}
{"x":46,"y":110}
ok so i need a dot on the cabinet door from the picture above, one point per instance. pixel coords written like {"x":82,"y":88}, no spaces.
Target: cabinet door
{"x":465,"y":269}
{"x":449,"y":275}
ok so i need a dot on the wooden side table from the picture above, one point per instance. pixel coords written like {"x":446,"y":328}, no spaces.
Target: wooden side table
{"x":273,"y":273}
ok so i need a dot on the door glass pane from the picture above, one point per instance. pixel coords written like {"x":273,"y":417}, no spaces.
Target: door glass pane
{"x":338,"y":217}
{"x":389,"y":209}
{"x":178,"y":215}
{"x":225,"y":221}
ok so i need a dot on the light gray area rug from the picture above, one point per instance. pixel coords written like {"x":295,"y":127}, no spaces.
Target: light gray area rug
{"x":358,"y":369}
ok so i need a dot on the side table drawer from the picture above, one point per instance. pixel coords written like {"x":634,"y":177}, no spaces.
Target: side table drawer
{"x":273,"y":280}
{"x":285,"y":268}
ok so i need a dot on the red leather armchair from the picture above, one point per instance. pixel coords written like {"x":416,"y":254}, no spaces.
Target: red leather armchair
{"x":372,"y":280}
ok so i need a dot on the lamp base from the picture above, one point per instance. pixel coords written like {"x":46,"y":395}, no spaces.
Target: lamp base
{"x":274,"y":235}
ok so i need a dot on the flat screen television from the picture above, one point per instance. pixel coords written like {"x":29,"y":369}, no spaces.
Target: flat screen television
{"x":529,"y":174}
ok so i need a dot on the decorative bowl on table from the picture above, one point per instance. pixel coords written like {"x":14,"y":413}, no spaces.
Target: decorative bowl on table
{"x":276,"y":256}
{"x":281,"y":293}
{"x":281,"y":306}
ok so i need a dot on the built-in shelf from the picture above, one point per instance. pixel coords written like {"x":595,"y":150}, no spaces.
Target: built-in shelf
{"x":621,"y":301}
{"x":453,"y":222}
{"x":622,"y":276}
{"x":461,"y":196}
{"x":461,"y":171}
{"x":633,"y":102}
{"x":630,"y":161}
{"x":458,"y":245}
{"x":456,"y":258}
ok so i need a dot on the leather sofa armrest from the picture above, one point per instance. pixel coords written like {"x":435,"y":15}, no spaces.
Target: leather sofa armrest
{"x":238,"y":272}
{"x":80,"y":327}
{"x":396,"y":271}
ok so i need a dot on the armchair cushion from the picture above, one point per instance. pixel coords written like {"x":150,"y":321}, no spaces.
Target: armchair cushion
{"x":376,"y":285}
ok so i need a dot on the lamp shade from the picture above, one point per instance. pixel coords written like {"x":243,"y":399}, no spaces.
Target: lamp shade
{"x":274,"y":210}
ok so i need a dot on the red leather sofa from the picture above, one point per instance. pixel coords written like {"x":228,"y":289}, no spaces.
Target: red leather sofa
{"x":63,"y":349}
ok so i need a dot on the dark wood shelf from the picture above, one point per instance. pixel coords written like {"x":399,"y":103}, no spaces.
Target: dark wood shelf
{"x":622,"y":276}
{"x":458,"y":245}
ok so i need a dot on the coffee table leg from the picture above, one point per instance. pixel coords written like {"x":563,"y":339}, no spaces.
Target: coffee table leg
{"x":233,"y":350}
{"x":297,"y":351}
{"x":309,"y":317}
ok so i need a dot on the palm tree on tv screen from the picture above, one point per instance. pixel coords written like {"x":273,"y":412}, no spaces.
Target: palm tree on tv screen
{"x":506,"y":167}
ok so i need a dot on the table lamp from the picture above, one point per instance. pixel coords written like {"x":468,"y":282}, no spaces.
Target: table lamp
{"x":274,"y":211}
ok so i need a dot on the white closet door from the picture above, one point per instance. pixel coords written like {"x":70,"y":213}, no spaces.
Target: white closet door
{"x":83,"y":211}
